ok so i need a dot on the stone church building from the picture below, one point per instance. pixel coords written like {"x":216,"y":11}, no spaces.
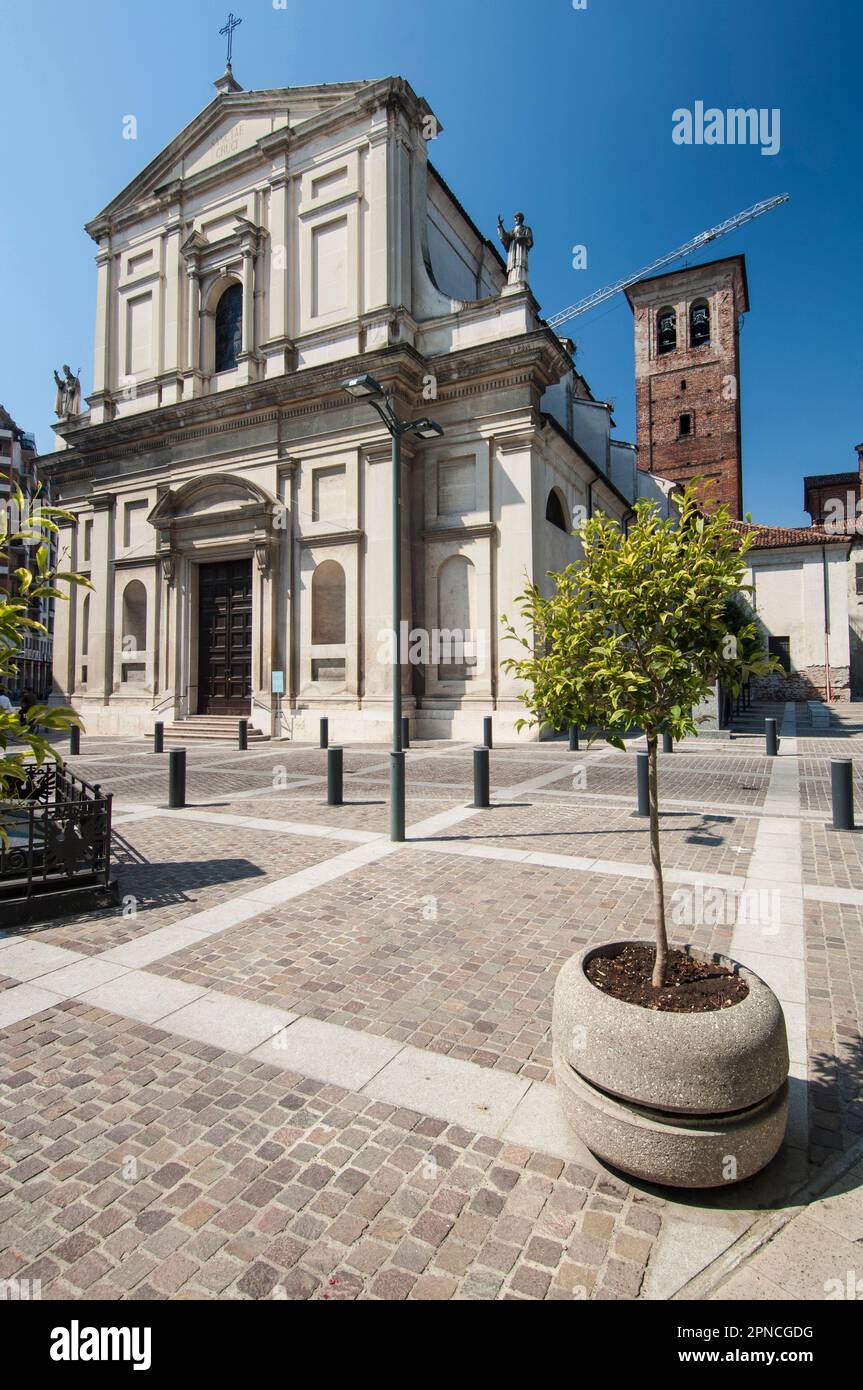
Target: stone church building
{"x":232,"y":501}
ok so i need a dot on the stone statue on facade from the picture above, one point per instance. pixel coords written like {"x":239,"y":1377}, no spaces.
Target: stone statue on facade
{"x":67,"y":402}
{"x":516,"y":244}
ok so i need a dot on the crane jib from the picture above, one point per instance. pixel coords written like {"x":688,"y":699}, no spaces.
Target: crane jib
{"x":730,"y":225}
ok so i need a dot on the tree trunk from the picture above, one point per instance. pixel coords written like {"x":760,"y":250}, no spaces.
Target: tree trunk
{"x":661,"y":962}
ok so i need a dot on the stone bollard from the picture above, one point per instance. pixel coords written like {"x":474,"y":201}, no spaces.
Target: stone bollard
{"x":481,"y":779}
{"x":842,"y":793}
{"x":335,"y":777}
{"x":177,"y":778}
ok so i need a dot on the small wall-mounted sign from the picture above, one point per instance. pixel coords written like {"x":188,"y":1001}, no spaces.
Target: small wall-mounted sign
{"x":278,"y":682}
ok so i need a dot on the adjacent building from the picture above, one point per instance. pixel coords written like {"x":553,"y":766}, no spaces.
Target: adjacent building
{"x":18,"y":473}
{"x":807,"y":582}
{"x":800,"y":593}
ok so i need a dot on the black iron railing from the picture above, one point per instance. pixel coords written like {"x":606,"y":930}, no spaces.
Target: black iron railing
{"x":58,"y":834}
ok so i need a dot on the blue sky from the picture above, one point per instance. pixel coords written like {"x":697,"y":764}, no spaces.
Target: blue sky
{"x":564,"y":112}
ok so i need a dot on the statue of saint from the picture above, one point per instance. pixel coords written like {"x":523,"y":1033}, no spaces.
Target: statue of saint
{"x":516,"y":244}
{"x":67,"y":402}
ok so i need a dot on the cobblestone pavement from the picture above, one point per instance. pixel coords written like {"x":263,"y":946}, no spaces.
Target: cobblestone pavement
{"x":134,"y":1167}
{"x":136,"y":1162}
{"x":475,"y":981}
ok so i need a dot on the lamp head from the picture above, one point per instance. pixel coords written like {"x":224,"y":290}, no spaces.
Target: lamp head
{"x":428,"y":429}
{"x":362,"y":387}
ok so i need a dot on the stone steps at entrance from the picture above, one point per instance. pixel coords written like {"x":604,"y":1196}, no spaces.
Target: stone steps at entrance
{"x":222,"y":728}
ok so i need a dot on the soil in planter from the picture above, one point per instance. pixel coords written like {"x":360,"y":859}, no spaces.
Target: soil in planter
{"x":694,"y":987}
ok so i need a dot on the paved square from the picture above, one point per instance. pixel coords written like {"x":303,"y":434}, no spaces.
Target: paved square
{"x":301,"y":1062}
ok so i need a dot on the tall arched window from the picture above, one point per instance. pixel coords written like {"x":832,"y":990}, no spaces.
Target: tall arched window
{"x":229,"y":328}
{"x":555,"y":511}
{"x":328,"y":605}
{"x":666,"y":330}
{"x":699,"y":323}
{"x":134,"y":618}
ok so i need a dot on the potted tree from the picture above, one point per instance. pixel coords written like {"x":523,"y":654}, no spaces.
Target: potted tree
{"x":671,"y":1064}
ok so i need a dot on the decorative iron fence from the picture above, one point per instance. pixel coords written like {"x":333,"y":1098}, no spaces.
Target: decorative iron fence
{"x":58,"y":835}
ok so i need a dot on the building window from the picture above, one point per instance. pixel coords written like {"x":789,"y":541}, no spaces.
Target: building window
{"x":683,"y":383}
{"x":554,"y":511}
{"x":85,"y":627}
{"x":456,"y":487}
{"x":858,"y":574}
{"x":328,"y":604}
{"x":329,"y":670}
{"x":328,"y":494}
{"x":685,"y":425}
{"x":699,"y":323}
{"x":781,"y":647}
{"x":134,"y":618}
{"x":666,"y":331}
{"x":229,"y":328}
{"x":456,"y":604}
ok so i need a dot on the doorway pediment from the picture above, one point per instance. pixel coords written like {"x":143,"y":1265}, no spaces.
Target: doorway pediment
{"x":219,"y":506}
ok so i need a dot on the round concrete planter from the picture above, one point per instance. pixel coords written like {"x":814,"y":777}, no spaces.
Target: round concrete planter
{"x":690,"y":1100}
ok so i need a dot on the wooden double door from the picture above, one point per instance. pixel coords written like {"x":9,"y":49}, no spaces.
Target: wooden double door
{"x":225,"y":637}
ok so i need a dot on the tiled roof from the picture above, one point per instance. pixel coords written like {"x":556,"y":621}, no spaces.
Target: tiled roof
{"x":777,"y":537}
{"x":830,"y":479}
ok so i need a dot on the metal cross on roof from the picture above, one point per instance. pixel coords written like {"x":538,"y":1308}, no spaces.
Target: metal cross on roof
{"x":229,"y":30}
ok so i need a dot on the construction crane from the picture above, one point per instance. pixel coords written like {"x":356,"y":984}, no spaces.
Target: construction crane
{"x":695,"y":244}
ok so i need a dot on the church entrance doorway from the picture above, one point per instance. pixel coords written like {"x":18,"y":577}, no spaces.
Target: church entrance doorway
{"x":225,"y":637}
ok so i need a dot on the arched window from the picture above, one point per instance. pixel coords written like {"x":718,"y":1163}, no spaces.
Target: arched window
{"x":555,"y":511}
{"x":699,"y":323}
{"x":328,"y":605}
{"x":666,"y":330}
{"x":229,"y":328}
{"x":134,"y":618}
{"x":456,"y":638}
{"x":85,"y":625}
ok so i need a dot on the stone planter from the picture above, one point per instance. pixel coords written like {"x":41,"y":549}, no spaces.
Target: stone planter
{"x":688,"y":1100}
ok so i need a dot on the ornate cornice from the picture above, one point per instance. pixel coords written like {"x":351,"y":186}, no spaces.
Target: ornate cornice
{"x":478,"y":531}
{"x":129,"y":562}
{"x":331,"y":538}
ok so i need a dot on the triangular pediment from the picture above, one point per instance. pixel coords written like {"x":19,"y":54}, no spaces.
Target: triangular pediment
{"x":232,"y":123}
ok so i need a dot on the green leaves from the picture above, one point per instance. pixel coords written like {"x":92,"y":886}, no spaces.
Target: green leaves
{"x":24,"y":741}
{"x":636,"y":634}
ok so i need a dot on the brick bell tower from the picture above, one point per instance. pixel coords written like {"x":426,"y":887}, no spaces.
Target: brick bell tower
{"x":687,"y":375}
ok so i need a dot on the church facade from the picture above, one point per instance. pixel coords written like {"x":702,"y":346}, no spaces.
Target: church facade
{"x":232,"y":501}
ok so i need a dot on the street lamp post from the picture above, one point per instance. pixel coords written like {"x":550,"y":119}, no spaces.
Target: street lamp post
{"x":366,"y":388}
